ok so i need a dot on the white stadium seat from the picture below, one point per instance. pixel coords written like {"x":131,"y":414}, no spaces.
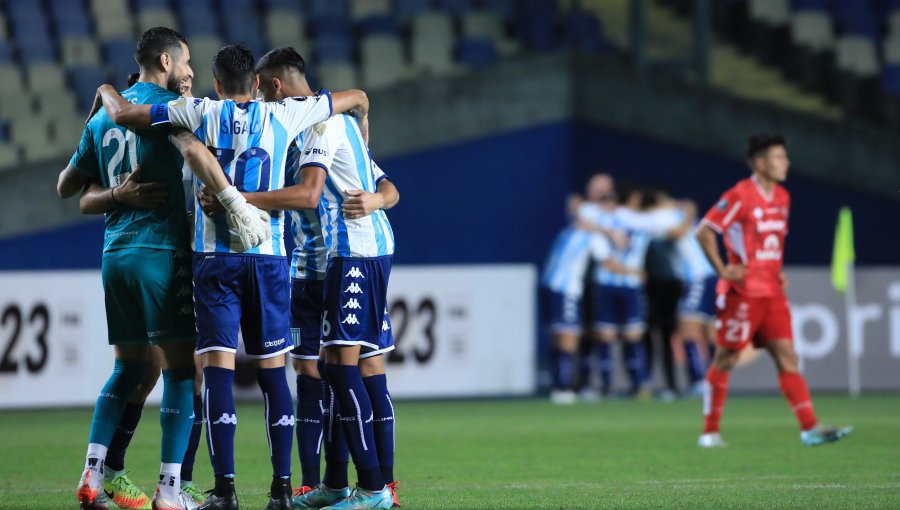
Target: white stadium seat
{"x":812,"y":30}
{"x":338,"y":76}
{"x":383,"y":63}
{"x":80,"y":51}
{"x":432,"y":42}
{"x":486,"y":25}
{"x":774,"y":13}
{"x":203,"y":49}
{"x":45,"y":78}
{"x":857,"y":55}
{"x":12,"y":79}
{"x":361,"y":9}
{"x":285,"y":28}
{"x":156,"y":18}
{"x":112,"y":18}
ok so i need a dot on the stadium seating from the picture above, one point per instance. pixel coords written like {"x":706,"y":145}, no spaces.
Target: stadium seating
{"x":347,"y":43}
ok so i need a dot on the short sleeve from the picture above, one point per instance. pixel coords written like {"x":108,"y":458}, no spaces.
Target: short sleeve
{"x":186,"y":112}
{"x":299,"y":113}
{"x":320,"y":144}
{"x":726,"y":211}
{"x":378,"y":173}
{"x":85,"y":158}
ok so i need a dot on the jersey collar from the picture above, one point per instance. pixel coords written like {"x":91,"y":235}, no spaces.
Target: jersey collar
{"x":766,"y":196}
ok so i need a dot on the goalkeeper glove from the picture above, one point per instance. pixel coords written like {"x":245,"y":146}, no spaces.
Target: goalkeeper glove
{"x":251,"y":224}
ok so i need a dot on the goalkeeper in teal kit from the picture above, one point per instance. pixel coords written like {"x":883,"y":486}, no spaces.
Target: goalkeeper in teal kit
{"x":146,"y":266}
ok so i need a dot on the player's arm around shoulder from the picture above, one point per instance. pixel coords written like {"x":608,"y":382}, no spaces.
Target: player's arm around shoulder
{"x":304,"y":195}
{"x":120,"y":111}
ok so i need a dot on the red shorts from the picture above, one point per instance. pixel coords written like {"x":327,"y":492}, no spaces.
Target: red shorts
{"x":742,"y":319}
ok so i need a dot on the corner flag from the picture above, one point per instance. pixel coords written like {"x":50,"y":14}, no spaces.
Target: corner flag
{"x":844,"y":254}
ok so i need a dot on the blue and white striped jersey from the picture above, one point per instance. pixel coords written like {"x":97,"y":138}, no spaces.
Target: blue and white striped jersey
{"x":251,"y":141}
{"x":639,"y":227}
{"x":568,"y":260}
{"x":337,"y":146}
{"x":693,"y":264}
{"x":310,"y":256}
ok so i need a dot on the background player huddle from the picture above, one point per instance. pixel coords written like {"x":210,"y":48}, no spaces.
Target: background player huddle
{"x":241,"y":274}
{"x":606,"y":244}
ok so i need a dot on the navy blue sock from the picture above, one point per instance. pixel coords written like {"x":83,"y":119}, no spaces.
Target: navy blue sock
{"x":279,"y":418}
{"x":187,"y":465}
{"x":563,"y":370}
{"x":383,"y":410}
{"x":337,"y":454}
{"x":309,"y":428}
{"x":221,"y":420}
{"x":696,"y":367}
{"x":131,"y":416}
{"x":634,"y":360}
{"x":356,"y":419}
{"x":604,"y":353}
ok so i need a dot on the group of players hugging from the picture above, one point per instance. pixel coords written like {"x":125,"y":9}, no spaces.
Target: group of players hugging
{"x":726,"y":304}
{"x":194,"y":192}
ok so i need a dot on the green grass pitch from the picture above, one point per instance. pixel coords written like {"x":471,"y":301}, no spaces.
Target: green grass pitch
{"x":531,"y":454}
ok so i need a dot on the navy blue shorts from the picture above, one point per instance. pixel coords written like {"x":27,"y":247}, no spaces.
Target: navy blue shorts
{"x":246,"y":293}
{"x":698,"y":303}
{"x":306,"y":318}
{"x":355,"y":311}
{"x":619,"y":308}
{"x":562,"y":313}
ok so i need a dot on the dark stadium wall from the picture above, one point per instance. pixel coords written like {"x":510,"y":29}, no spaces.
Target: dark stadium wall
{"x":501,"y":199}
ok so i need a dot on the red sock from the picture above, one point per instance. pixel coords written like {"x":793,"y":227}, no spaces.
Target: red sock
{"x":794,"y":388}
{"x":714,"y":392}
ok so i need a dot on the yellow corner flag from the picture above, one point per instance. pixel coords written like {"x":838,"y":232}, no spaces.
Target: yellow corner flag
{"x":844,"y":255}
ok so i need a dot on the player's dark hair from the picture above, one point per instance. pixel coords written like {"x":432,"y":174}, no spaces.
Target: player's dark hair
{"x":759,"y":144}
{"x":133,"y":78}
{"x":233,"y":67}
{"x":156,"y":41}
{"x":281,"y":57}
{"x":651,"y":196}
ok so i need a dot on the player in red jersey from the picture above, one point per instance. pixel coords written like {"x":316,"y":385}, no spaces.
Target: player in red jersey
{"x":752,"y":217}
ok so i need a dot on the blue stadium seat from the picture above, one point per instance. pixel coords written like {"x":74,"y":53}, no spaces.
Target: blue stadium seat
{"x":243,"y":26}
{"x":332,"y":26}
{"x":35,"y":47}
{"x":537,"y":26}
{"x":143,"y":5}
{"x":379,"y":25}
{"x":331,"y":48}
{"x":194,"y":25}
{"x":5,"y":52}
{"x":70,"y":24}
{"x":476,"y":52}
{"x":455,"y":8}
{"x":84,"y":81}
{"x":225,"y":5}
{"x":405,"y":9}
{"x":327,"y":8}
{"x":809,"y":5}
{"x":890,"y":80}
{"x":582,"y":31}
{"x":282,"y":4}
{"x":119,"y":55}
{"x":856,"y":18}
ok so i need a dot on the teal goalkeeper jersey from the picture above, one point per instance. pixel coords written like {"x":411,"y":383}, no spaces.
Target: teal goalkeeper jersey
{"x":108,"y":153}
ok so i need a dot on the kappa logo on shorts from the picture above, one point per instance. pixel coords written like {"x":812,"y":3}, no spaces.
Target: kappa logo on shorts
{"x":285,"y":421}
{"x":353,"y":288}
{"x":181,"y":273}
{"x":353,"y":304}
{"x":226,"y":419}
{"x":274,"y":343}
{"x":354,"y":272}
{"x":384,"y":326}
{"x":351,"y":319}
{"x":184,"y":291}
{"x":186,"y":310}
